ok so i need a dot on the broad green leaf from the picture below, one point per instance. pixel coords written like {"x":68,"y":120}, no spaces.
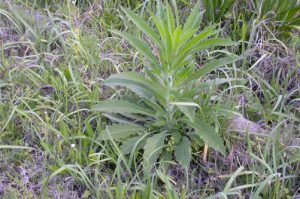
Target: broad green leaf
{"x":188,"y":111}
{"x":153,"y":148}
{"x":160,"y":122}
{"x":195,"y":137}
{"x":154,"y":105}
{"x":142,"y":48}
{"x":183,"y":152}
{"x":129,"y":143}
{"x":121,"y":107}
{"x":211,"y":66}
{"x":208,"y":135}
{"x":187,"y":108}
{"x":120,"y":131}
{"x":136,"y":83}
{"x":143,"y":26}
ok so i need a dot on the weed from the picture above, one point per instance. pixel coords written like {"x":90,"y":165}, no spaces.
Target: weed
{"x":175,"y":72}
{"x":168,"y":100}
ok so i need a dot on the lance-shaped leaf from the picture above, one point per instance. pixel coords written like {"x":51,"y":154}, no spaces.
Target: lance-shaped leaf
{"x":208,"y":135}
{"x":194,"y":19}
{"x":153,"y":148}
{"x":199,"y":46}
{"x":121,"y":107}
{"x":136,"y":83}
{"x":183,"y":152}
{"x":187,"y":108}
{"x":120,"y":131}
{"x":128,"y":144}
{"x":206,"y":33}
{"x":143,"y":26}
{"x":211,"y":66}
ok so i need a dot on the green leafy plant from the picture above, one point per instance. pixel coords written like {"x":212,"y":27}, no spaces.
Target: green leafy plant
{"x":168,"y":93}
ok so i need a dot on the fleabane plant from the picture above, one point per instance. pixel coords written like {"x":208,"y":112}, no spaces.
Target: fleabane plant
{"x":163,"y":120}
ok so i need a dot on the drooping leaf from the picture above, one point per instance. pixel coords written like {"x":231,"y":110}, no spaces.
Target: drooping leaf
{"x":121,"y":107}
{"x":120,"y":131}
{"x":183,"y":152}
{"x":139,"y":88}
{"x":136,"y":83}
{"x":153,"y":148}
{"x":208,"y":135}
